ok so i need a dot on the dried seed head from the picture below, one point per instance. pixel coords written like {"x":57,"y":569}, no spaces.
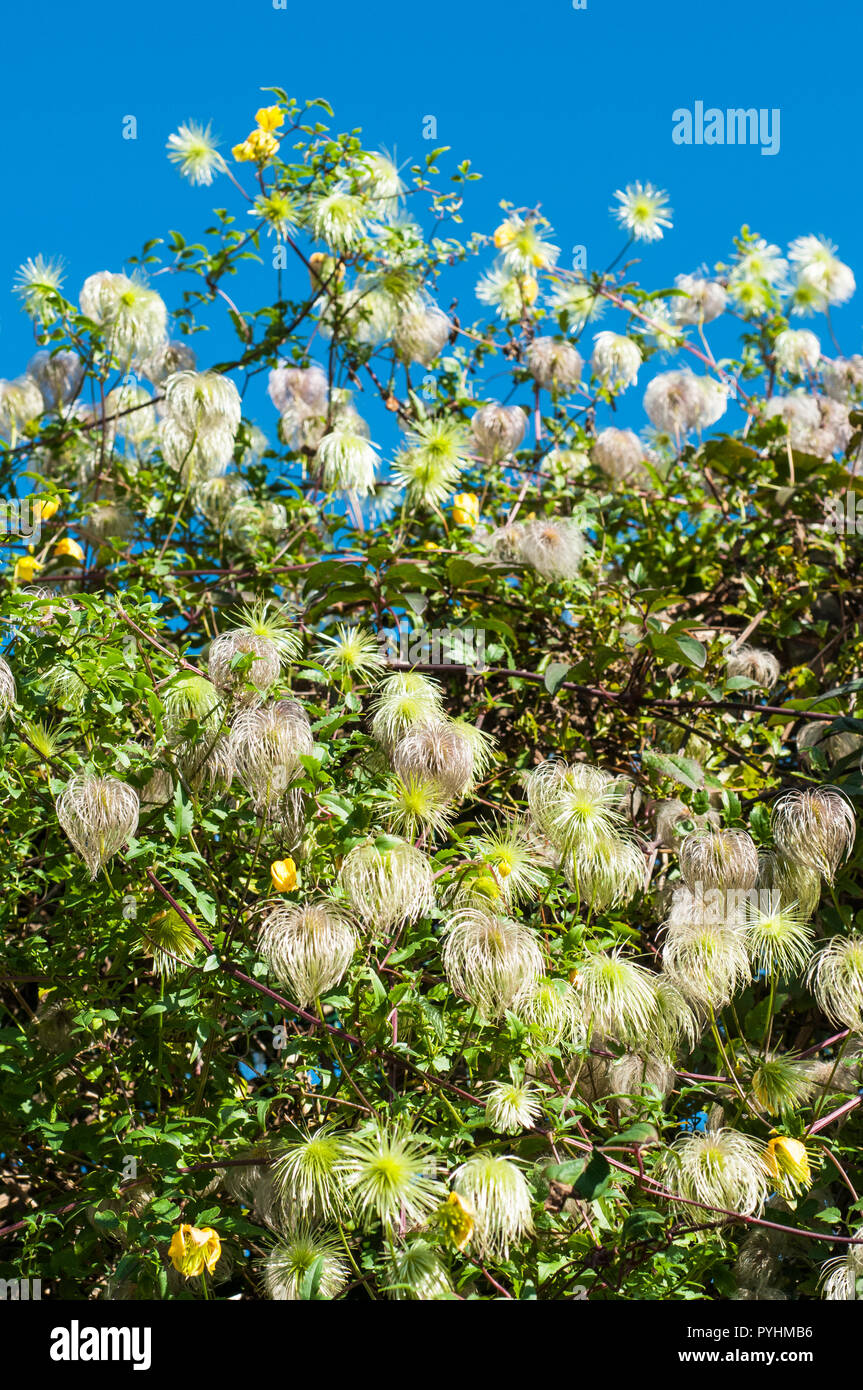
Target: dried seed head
{"x":554,"y":548}
{"x":404,"y":701}
{"x":555,"y":364}
{"x":416,"y":1270}
{"x":99,"y":815}
{"x":498,"y":430}
{"x":798,"y":887}
{"x":386,"y":1175}
{"x":835,"y":976}
{"x":718,"y":859}
{"x":307,"y":1174}
{"x":308,"y":948}
{"x":170,"y":941}
{"x":265,"y":746}
{"x":292,"y":1258}
{"x":387,"y":882}
{"x":606,"y":872}
{"x":720,"y":1168}
{"x":497,"y":1194}
{"x":618,"y":996}
{"x":575,"y":806}
{"x":490,"y":961}
{"x":754,"y":663}
{"x":7,"y":689}
{"x":619,"y":454}
{"x":814,"y":827}
{"x":778,"y":940}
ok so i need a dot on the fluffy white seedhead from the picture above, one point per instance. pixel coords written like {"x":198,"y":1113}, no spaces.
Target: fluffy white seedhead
{"x":403,"y":702}
{"x":431,"y":464}
{"x":755,"y":663}
{"x":815,"y":827}
{"x":99,"y":815}
{"x":348,"y":463}
{"x":620,"y":454}
{"x":308,"y":1176}
{"x":798,"y":886}
{"x":702,"y":300}
{"x":836,"y":978}
{"x":718,"y":859}
{"x":616,"y":360}
{"x":553,"y":1013}
{"x":843,"y":378}
{"x":498,"y":430}
{"x":518,"y":858}
{"x":416,"y":1271}
{"x":7,"y":689}
{"x":512,"y":1106}
{"x":679,"y":402}
{"x":555,"y":364}
{"x":305,"y":388}
{"x":778,"y":940}
{"x":264,"y":636}
{"x":554,"y":548}
{"x":720,"y":1168}
{"x":266,"y":744}
{"x":308,"y":947}
{"x":167,"y":359}
{"x":421,"y":332}
{"x":387,"y":882}
{"x":705,"y":952}
{"x":618,"y":996}
{"x":490,"y":961}
{"x":57,"y":374}
{"x":133,"y":318}
{"x":302,"y":1249}
{"x":497,"y":1194}
{"x":606,"y":871}
{"x":839,"y":1276}
{"x":446,"y":751}
{"x":576,"y":806}
{"x":20,"y":402}
{"x":797,"y":351}
{"x":387,"y":1176}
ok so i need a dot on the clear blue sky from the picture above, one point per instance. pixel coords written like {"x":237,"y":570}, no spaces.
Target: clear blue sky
{"x":551,"y":104}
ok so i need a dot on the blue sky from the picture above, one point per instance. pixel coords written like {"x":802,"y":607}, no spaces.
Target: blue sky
{"x":550,"y":103}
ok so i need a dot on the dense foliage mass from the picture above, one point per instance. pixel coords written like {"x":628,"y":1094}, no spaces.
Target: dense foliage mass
{"x":429,"y":811}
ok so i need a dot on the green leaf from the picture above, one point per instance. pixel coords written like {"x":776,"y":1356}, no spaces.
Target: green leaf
{"x":554,"y":676}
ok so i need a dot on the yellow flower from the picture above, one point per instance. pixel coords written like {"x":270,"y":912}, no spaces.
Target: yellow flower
{"x":504,"y":235}
{"x":194,"y":1249}
{"x":43,"y":511}
{"x":454,"y":1219}
{"x":270,"y":117}
{"x":70,"y":547}
{"x":788,"y":1163}
{"x":258,"y":145}
{"x":284,"y":875}
{"x":26,"y":568}
{"x":504,"y":868}
{"x":465,"y":511}
{"x":529,"y":289}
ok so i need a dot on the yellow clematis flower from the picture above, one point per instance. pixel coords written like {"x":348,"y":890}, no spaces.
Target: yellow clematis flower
{"x":529,"y":289}
{"x":788,"y":1162}
{"x":25,"y":569}
{"x":259,"y":145}
{"x":194,"y":1249}
{"x":465,"y":511}
{"x":454,"y":1219}
{"x":43,"y":511}
{"x":270,"y":117}
{"x":284,"y":875}
{"x":70,"y":547}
